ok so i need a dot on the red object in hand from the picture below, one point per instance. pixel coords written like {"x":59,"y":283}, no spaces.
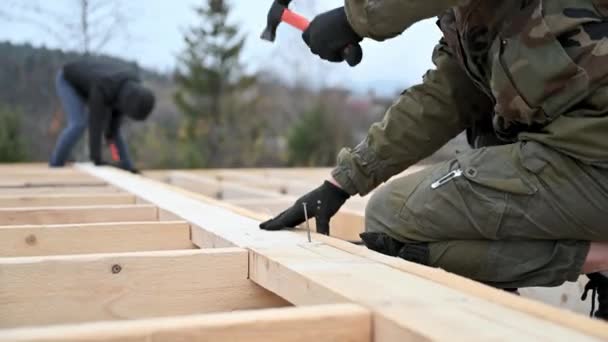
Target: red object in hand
{"x":295,"y":20}
{"x":114,"y":152}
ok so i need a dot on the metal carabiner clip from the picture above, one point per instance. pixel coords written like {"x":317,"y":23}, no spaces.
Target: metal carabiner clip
{"x":445,"y":179}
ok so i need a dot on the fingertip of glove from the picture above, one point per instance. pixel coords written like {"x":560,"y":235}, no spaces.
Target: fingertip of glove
{"x":268,"y":225}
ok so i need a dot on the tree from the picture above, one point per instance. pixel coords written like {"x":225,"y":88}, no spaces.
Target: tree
{"x":11,"y":143}
{"x":316,"y":139}
{"x":88,"y":26}
{"x":211,"y":86}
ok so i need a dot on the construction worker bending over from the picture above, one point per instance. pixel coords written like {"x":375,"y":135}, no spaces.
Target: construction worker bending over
{"x":98,"y":94}
{"x":528,"y":81}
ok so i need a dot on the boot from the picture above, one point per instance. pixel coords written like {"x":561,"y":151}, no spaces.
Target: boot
{"x":384,"y":244}
{"x":598,"y":285}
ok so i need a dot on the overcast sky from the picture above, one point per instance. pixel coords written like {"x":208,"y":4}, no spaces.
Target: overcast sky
{"x":157,"y":26}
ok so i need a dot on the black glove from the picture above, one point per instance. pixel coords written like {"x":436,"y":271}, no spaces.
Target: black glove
{"x":322,"y":203}
{"x":331,"y":37}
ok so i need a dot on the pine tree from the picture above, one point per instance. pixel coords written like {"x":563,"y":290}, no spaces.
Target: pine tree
{"x":316,"y":138}
{"x":208,"y":74}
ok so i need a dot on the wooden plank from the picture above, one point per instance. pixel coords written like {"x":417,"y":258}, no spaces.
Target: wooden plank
{"x":71,"y":215}
{"x":327,"y":323}
{"x":404,"y":305}
{"x":24,"y":166}
{"x":215,"y":188}
{"x":54,"y":190}
{"x":93,"y":287}
{"x":19,"y":241}
{"x":64,"y":200}
{"x":49,"y":173}
{"x":562,"y":317}
{"x":44,"y":180}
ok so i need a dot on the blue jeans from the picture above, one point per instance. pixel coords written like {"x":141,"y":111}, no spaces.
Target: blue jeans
{"x":77,"y":115}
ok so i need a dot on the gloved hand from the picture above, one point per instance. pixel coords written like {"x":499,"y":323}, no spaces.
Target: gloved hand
{"x":330,"y":33}
{"x":322,"y":203}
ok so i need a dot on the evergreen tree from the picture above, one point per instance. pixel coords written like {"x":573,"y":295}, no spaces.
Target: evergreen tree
{"x":11,"y":143}
{"x":316,"y":139}
{"x":208,"y":76}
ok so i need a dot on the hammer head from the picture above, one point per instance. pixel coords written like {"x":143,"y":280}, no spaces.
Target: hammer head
{"x":274,"y":19}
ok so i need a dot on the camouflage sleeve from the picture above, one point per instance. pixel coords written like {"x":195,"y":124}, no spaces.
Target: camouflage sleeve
{"x":422,"y":120}
{"x":383,"y":19}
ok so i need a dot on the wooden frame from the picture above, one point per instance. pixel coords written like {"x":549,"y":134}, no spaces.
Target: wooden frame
{"x":342,"y":292}
{"x":228,"y":226}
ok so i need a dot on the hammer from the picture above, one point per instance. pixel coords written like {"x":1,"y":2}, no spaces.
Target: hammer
{"x":280,"y":12}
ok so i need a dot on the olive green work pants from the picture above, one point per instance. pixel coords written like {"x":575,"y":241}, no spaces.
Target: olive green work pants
{"x":511,"y":216}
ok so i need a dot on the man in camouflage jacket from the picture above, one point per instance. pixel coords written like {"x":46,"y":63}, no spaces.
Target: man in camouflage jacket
{"x":528,"y":81}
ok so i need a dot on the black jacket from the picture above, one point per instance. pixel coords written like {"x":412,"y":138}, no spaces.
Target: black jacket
{"x":100,"y":82}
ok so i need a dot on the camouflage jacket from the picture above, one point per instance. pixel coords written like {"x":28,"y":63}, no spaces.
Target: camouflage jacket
{"x":537,"y":68}
{"x":383,"y":19}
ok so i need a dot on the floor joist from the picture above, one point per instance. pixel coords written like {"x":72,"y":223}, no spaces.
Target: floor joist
{"x":50,"y":190}
{"x":328,"y":323}
{"x":65,"y":200}
{"x":18,"y":241}
{"x":84,"y":288}
{"x":71,"y":215}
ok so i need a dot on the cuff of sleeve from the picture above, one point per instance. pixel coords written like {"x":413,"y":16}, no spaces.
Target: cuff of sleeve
{"x":342,"y":176}
{"x":357,"y":17}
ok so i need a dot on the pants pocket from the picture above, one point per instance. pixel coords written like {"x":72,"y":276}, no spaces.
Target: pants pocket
{"x":470,"y":205}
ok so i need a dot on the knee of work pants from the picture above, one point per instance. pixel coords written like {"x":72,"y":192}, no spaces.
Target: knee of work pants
{"x":384,"y":211}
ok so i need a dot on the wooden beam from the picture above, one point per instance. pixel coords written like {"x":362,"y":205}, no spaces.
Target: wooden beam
{"x":213,"y":187}
{"x":327,"y":323}
{"x":59,"y":180}
{"x":64,"y":200}
{"x":405,"y":306}
{"x":71,"y":215}
{"x":19,"y":241}
{"x":534,"y":308}
{"x":93,"y":287}
{"x":22,"y":169}
{"x":54,"y":190}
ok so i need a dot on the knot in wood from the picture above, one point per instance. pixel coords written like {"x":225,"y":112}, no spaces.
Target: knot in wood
{"x":116,"y":269}
{"x":31,"y":239}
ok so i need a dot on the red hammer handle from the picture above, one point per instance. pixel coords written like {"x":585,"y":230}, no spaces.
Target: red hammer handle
{"x":114,"y":152}
{"x":295,"y":20}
